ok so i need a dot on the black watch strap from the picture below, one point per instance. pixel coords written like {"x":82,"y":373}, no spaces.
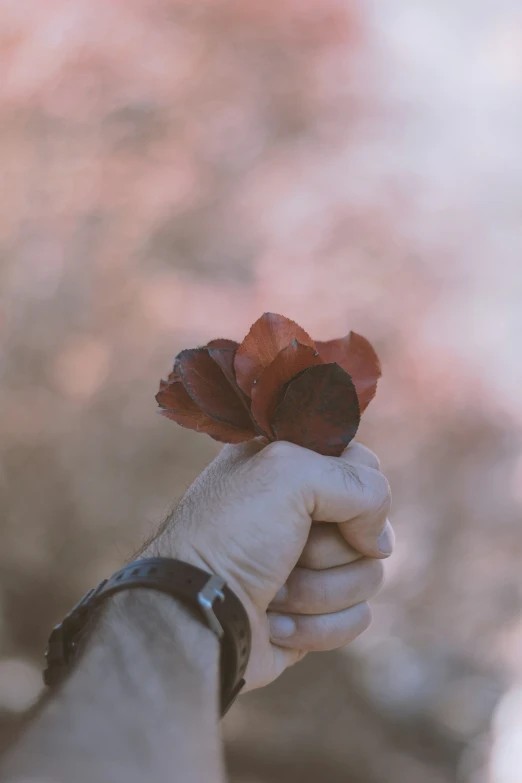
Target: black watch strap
{"x":207,"y":594}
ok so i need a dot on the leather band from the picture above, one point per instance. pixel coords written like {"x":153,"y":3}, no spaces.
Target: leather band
{"x":217,"y":606}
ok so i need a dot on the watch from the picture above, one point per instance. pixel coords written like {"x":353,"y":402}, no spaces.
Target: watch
{"x":207,"y":594}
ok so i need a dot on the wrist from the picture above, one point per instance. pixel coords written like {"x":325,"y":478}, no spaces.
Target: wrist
{"x":170,"y":637}
{"x":141,"y":702}
{"x":169,"y":546}
{"x":207,"y":603}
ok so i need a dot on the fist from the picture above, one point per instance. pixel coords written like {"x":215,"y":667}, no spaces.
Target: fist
{"x":299,"y":537}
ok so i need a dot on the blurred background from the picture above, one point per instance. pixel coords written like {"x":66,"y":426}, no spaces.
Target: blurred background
{"x":170,"y":170}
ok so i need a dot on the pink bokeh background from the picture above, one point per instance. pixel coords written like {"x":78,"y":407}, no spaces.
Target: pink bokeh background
{"x":169,"y":171}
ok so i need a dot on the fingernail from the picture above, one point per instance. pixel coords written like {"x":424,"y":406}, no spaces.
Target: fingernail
{"x":281,"y":626}
{"x":281,"y":595}
{"x":386,"y":540}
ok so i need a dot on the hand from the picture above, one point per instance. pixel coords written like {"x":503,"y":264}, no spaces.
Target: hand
{"x":297,"y":536}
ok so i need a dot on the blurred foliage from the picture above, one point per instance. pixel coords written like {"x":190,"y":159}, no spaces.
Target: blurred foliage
{"x":172,"y":169}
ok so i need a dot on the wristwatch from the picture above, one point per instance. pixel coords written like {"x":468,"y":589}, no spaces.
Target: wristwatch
{"x":206,"y":594}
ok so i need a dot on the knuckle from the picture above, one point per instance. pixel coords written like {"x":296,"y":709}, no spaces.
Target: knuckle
{"x":313,"y":633}
{"x":375,"y":574}
{"x":286,"y":466}
{"x":328,"y":632}
{"x":323,"y":635}
{"x":370,"y":485}
{"x":381,"y":496}
{"x":373,"y":459}
{"x":275,"y":465}
{"x":366,"y":617}
{"x":366,"y":456}
{"x":281,"y":451}
{"x":352,"y":476}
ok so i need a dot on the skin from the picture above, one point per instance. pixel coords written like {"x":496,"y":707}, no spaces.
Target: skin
{"x":298,"y":537}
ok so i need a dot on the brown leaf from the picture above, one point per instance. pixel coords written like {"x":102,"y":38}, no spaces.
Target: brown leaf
{"x":319,"y":411}
{"x":224,"y":358}
{"x":269,"y":387}
{"x":173,"y":376}
{"x":179,"y":406}
{"x":209,"y":388}
{"x":269,"y":335}
{"x":355,"y":354}
{"x":222,"y":342}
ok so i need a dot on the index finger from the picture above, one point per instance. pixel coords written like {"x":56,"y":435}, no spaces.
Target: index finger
{"x":346,"y":490}
{"x":357,"y":454}
{"x":356,"y":495}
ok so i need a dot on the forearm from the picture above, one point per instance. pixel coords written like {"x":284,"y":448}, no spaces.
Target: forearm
{"x":142,"y":703}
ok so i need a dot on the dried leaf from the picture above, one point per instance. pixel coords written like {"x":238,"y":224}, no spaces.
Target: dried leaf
{"x":222,"y":342}
{"x":355,"y":354}
{"x":276,"y":383}
{"x":319,"y":411}
{"x":179,"y":406}
{"x":173,"y":376}
{"x":269,"y":387}
{"x":207,"y":385}
{"x":269,"y":335}
{"x":224,"y":358}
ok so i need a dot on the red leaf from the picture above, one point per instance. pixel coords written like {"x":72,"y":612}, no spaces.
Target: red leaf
{"x":224,"y":358}
{"x":222,"y":342}
{"x":269,"y":335}
{"x":209,"y":388}
{"x":269,"y":387}
{"x":355,"y":355}
{"x":173,"y":376}
{"x":179,"y":406}
{"x":319,"y":411}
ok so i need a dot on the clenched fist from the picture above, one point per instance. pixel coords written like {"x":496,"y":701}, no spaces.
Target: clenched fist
{"x":299,"y":537}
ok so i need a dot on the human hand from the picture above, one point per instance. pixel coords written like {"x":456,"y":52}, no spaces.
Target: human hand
{"x":297,"y":536}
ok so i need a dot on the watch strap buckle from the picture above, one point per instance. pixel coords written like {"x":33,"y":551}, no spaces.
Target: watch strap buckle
{"x":207,"y":596}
